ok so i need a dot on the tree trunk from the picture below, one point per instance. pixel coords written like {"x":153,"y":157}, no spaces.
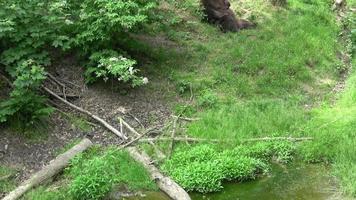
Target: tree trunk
{"x":167,"y":185}
{"x":50,"y":170}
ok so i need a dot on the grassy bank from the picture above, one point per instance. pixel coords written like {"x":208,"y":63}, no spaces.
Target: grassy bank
{"x":275,"y":80}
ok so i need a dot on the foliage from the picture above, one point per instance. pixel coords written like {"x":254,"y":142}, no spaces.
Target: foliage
{"x":32,"y":29}
{"x":255,"y":118}
{"x":25,"y":104}
{"x":108,"y":64}
{"x":203,"y":168}
{"x":207,"y":99}
{"x":94,"y":177}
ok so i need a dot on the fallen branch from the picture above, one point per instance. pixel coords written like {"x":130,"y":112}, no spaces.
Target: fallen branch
{"x":101,"y":121}
{"x":187,"y":118}
{"x":138,"y":138}
{"x":171,"y":146}
{"x":50,"y":170}
{"x":187,"y":139}
{"x":54,"y":79}
{"x":167,"y":185}
{"x":159,"y":152}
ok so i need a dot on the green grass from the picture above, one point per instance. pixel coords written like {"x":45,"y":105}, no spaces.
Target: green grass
{"x":275,"y":80}
{"x":335,"y":136}
{"x":100,"y":170}
{"x":7,"y":182}
{"x":204,"y":168}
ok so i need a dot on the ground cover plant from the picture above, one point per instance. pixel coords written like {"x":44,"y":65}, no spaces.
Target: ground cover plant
{"x":204,"y":168}
{"x":93,"y":174}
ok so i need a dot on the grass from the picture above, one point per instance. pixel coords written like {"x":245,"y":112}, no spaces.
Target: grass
{"x":336,"y":138}
{"x":98,"y":169}
{"x":274,"y":80}
{"x":7,"y":182}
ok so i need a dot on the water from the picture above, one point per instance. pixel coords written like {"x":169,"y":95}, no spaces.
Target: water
{"x":297,"y":181}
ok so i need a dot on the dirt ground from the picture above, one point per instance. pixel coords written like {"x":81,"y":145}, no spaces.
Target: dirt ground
{"x":139,"y":107}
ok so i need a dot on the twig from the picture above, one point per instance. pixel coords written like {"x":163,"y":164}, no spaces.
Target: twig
{"x":100,"y":120}
{"x":121,"y":128}
{"x":53,"y":78}
{"x":138,"y":138}
{"x":188,"y":119}
{"x":159,"y":152}
{"x":70,"y":83}
{"x":135,"y":118}
{"x":171,"y":146}
{"x":191,"y":93}
{"x":7,"y":80}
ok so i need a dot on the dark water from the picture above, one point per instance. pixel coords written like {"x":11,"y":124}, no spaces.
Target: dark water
{"x":294,"y":182}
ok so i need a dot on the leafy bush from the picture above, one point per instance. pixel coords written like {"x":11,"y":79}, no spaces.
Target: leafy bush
{"x":25,"y":104}
{"x":203,"y":168}
{"x":207,"y":99}
{"x":29,"y":30}
{"x":108,"y":64}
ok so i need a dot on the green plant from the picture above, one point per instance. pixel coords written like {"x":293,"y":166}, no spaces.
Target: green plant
{"x":95,"y":175}
{"x":7,"y":183}
{"x":203,"y":168}
{"x":25,"y":104}
{"x":108,"y":64}
{"x":30,"y":30}
{"x":207,"y":99}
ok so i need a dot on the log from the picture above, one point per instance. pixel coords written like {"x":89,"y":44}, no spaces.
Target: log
{"x":188,"y":139}
{"x":98,"y":119}
{"x":166,"y":184}
{"x":50,"y":170}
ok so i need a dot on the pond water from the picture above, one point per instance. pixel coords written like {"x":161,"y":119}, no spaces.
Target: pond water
{"x":297,"y":181}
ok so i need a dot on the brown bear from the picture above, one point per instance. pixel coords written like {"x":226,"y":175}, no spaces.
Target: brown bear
{"x":219,"y":12}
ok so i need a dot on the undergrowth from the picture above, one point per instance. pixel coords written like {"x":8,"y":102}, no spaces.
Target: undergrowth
{"x":204,"y":168}
{"x":93,"y":174}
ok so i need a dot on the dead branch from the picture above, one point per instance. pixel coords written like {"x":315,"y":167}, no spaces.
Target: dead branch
{"x":159,"y":152}
{"x":171,"y":146}
{"x":187,"y":118}
{"x":167,"y":185}
{"x":138,"y":138}
{"x":54,"y":79}
{"x":50,"y":170}
{"x":6,"y":80}
{"x":98,"y":119}
{"x":187,"y":139}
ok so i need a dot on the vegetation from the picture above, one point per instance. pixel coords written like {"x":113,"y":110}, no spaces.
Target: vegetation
{"x":31,"y":30}
{"x":203,"y":168}
{"x":93,"y":174}
{"x":275,"y":80}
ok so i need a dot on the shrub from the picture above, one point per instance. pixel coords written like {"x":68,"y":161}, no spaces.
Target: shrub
{"x":108,"y":64}
{"x":29,"y":30}
{"x":203,"y":168}
{"x":207,"y":99}
{"x":25,"y":104}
